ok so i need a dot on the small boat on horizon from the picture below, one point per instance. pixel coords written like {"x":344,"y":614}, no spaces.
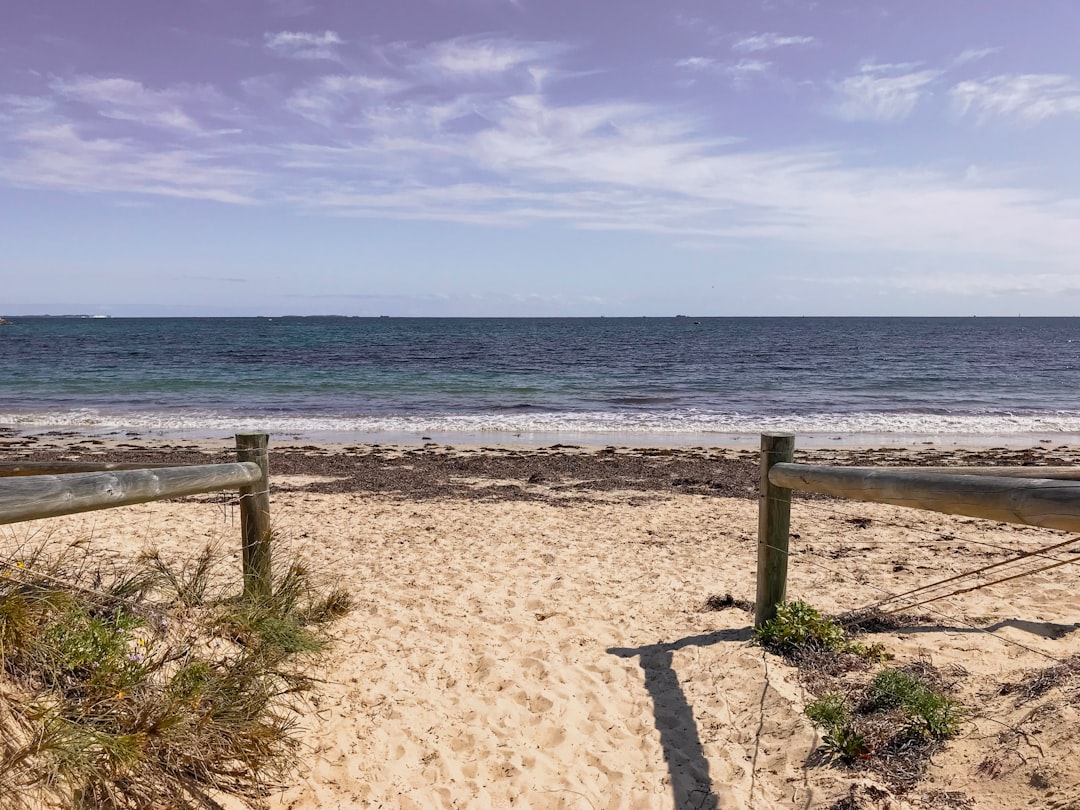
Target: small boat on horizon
{"x":4,"y":321}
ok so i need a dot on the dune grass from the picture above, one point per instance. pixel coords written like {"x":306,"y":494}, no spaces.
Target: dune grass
{"x":147,"y":683}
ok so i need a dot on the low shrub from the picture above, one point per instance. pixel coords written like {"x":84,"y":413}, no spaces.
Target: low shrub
{"x":799,"y":630}
{"x":146,"y":686}
{"x":798,"y":626}
{"x":931,"y":714}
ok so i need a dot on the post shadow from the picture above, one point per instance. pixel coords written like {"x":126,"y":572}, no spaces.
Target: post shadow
{"x":679,"y":737}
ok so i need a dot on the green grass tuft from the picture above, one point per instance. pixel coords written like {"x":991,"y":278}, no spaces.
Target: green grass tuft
{"x":828,"y":710}
{"x":150,"y":686}
{"x":932,"y":715}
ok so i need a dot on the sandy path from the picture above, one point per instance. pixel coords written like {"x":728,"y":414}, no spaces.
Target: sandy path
{"x":537,"y":655}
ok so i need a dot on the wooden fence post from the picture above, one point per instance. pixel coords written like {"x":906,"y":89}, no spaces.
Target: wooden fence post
{"x":774,"y":526}
{"x":255,"y":516}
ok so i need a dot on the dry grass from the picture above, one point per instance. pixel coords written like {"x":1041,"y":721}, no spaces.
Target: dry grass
{"x":1064,"y":676}
{"x":147,"y":684}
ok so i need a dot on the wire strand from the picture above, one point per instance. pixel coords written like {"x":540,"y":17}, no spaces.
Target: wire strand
{"x":925,"y":530}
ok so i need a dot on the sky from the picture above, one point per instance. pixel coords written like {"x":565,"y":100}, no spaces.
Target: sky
{"x":540,"y":157}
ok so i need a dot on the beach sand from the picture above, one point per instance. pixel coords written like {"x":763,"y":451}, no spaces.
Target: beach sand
{"x":534,"y":629}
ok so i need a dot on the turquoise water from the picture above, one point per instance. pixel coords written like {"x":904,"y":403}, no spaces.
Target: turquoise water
{"x":643,"y":376}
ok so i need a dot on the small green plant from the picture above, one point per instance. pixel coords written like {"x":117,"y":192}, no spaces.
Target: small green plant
{"x":188,"y":582}
{"x":845,"y":743}
{"x":891,"y":724}
{"x":932,"y":715}
{"x":829,"y":710}
{"x":797,"y":626}
{"x":893,"y":688}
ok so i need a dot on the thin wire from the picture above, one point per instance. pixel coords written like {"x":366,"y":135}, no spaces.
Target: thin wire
{"x":924,"y":530}
{"x":957,"y":619}
{"x":1022,"y":556}
{"x":987,"y":584}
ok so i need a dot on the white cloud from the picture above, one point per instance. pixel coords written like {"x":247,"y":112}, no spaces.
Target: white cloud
{"x":55,"y":155}
{"x":745,"y":69}
{"x":304,"y":45}
{"x":874,"y":95}
{"x":129,"y":100}
{"x":326,"y":98}
{"x":469,"y":56}
{"x":1027,"y":98}
{"x":697,"y":63}
{"x":636,"y":168}
{"x":518,"y":156}
{"x":973,"y":55}
{"x":770,"y":41}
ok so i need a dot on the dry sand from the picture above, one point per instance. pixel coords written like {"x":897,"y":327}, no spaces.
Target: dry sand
{"x":531,"y":630}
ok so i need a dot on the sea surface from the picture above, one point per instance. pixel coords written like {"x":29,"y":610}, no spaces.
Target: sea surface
{"x":634,"y":380}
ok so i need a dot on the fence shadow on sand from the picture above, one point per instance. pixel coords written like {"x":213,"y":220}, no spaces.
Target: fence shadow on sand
{"x":679,"y":737}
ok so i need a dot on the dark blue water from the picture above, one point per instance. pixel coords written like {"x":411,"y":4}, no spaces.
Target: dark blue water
{"x":642,"y":375}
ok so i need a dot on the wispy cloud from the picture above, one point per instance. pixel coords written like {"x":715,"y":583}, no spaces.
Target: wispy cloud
{"x":304,"y":44}
{"x":57,"y":156}
{"x":411,"y":144}
{"x":471,"y":56}
{"x":1027,"y":98}
{"x":740,"y":73}
{"x":746,"y":69}
{"x":984,"y":285}
{"x":973,"y":55}
{"x":613,"y":167}
{"x":880,"y":93}
{"x":325,"y":99}
{"x":770,"y":41}
{"x":128,"y":100}
{"x":697,"y":63}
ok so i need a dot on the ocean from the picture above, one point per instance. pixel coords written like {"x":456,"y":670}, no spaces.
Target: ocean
{"x":528,"y":380}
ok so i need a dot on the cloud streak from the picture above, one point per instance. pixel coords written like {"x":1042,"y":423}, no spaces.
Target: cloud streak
{"x":1029,"y":98}
{"x":305,"y":45}
{"x":770,"y":41}
{"x":876,"y":93}
{"x":461,"y":131}
{"x":471,"y":56}
{"x":128,"y":100}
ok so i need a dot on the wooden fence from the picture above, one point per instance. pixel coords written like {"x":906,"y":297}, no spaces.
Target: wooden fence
{"x":33,"y":490}
{"x":1048,"y":497}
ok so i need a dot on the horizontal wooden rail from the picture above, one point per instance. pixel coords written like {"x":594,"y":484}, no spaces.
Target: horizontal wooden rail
{"x":1055,"y":473}
{"x":42,"y":496}
{"x":1050,"y":504}
{"x":19,"y":468}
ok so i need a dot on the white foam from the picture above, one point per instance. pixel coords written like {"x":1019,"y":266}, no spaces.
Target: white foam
{"x":666,"y":422}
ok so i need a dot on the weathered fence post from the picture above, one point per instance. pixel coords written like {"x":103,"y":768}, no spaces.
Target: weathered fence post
{"x":255,"y":516}
{"x":774,"y":525}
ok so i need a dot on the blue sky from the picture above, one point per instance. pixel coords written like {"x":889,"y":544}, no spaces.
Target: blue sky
{"x":540,"y":157}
